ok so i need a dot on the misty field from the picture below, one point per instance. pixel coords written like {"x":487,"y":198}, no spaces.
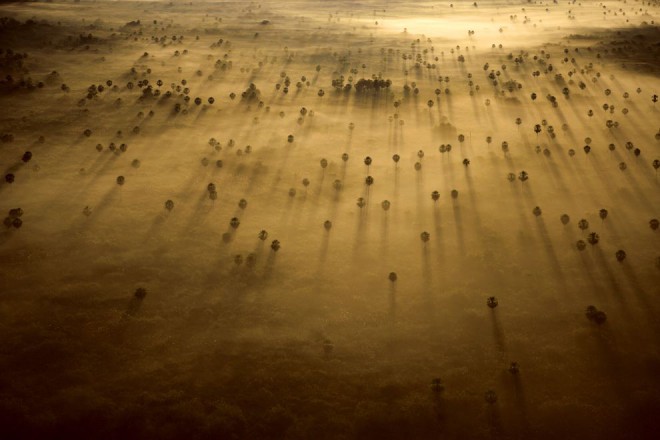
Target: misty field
{"x":330,"y":220}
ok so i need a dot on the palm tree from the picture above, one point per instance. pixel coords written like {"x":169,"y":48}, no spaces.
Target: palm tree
{"x":656,"y":165}
{"x":466,"y":162}
{"x":238,"y":259}
{"x":327,"y":225}
{"x":492,"y":302}
{"x":234,"y":222}
{"x":305,"y":182}
{"x":120,"y":180}
{"x":275,"y":245}
{"x":10,"y":178}
{"x":537,"y":211}
{"x":385,"y":205}
{"x":425,"y":236}
{"x":169,"y":205}
{"x":454,"y":194}
{"x":622,"y":166}
{"x":396,"y":159}
{"x":289,"y":138}
{"x":435,"y":195}
{"x":603,"y":214}
{"x":620,"y":255}
{"x":511,"y":177}
{"x":392,"y":276}
{"x":523,"y":176}
{"x":654,"y":223}
{"x":344,"y":157}
{"x":242,"y":203}
{"x":581,"y":245}
{"x":361,"y":202}
{"x":263,"y":235}
{"x":324,"y":163}
{"x":367,"y":162}
{"x":292,"y":192}
{"x":369,"y":181}
{"x":565,"y":219}
{"x":210,"y":187}
{"x":87,"y":211}
{"x":593,"y":238}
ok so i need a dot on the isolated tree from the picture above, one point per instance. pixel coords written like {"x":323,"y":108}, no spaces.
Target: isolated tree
{"x":435,"y":195}
{"x":121,"y":180}
{"x":420,"y":154}
{"x":537,"y":211}
{"x":654,"y":223}
{"x":514,"y":368}
{"x":367,"y":162}
{"x":656,"y":165}
{"x":385,"y":205}
{"x":344,"y":157}
{"x":593,"y":238}
{"x":140,"y":293}
{"x":361,"y":202}
{"x":327,"y":225}
{"x":27,"y":156}
{"x":583,"y":224}
{"x":581,"y":245}
{"x":87,"y":211}
{"x":10,"y":178}
{"x":275,"y":245}
{"x":565,"y":219}
{"x":369,"y":181}
{"x":511,"y":177}
{"x":491,"y":397}
{"x":425,"y":236}
{"x":327,"y":347}
{"x":620,"y":255}
{"x":437,"y":386}
{"x":392,"y":276}
{"x":242,"y":203}
{"x":466,"y":162}
{"x":210,"y":187}
{"x":454,"y":194}
{"x":292,"y":192}
{"x":234,"y":222}
{"x":505,"y":147}
{"x":603,"y":214}
{"x":492,"y":302}
{"x":263,"y":235}
{"x":289,"y":138}
{"x":169,"y":205}
{"x":396,"y":159}
{"x":324,"y":163}
{"x":622,"y":166}
{"x":523,"y":176}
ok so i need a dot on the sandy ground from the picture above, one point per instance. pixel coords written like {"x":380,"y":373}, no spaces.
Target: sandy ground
{"x":236,"y":340}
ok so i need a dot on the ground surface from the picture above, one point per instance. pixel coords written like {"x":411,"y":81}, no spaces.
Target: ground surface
{"x":314,"y":340}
